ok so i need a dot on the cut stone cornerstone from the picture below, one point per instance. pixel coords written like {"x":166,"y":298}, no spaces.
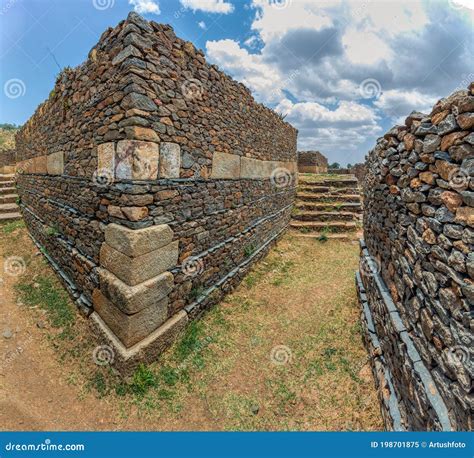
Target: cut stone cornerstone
{"x":152,"y":182}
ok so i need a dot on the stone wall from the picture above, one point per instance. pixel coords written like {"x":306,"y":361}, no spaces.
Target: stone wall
{"x":152,"y":181}
{"x":7,"y":161}
{"x":312,"y":162}
{"x":416,"y":278}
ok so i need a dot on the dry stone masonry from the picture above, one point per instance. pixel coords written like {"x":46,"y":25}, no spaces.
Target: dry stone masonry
{"x":416,"y":278}
{"x":312,"y":162}
{"x":152,"y":181}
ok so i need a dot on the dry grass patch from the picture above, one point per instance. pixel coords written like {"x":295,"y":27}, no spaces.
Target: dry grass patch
{"x":283,"y":352}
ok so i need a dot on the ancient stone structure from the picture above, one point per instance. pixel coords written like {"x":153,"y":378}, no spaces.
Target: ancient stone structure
{"x":312,"y":162}
{"x":7,"y":161}
{"x":152,"y":181}
{"x":416,"y":278}
{"x":327,"y":207}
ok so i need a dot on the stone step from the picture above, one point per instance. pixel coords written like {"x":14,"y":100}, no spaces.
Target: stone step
{"x":324,"y":226}
{"x":9,"y":208}
{"x":305,"y":197}
{"x":7,"y":177}
{"x":330,"y":183}
{"x":354,"y":207}
{"x":9,"y":216}
{"x":349,"y":236}
{"x":7,"y":184}
{"x":8,"y":190}
{"x":325,"y":216}
{"x":327,"y":190}
{"x":8,"y":198}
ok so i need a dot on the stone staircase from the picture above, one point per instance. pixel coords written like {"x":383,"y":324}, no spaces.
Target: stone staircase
{"x":9,"y":209}
{"x":327,"y":207}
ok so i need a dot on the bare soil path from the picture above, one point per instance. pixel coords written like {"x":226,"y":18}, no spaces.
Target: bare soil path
{"x":283,"y":352}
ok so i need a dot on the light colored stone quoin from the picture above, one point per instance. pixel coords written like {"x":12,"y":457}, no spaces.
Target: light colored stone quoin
{"x":134,"y":280}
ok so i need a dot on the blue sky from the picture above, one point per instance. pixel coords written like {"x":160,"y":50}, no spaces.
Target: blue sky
{"x":343,"y":72}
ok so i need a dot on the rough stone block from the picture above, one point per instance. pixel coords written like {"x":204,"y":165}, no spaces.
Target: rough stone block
{"x":137,"y":242}
{"x":106,"y":159}
{"x":225,"y":165}
{"x":55,"y":163}
{"x":136,"y":270}
{"x":125,"y":360}
{"x":132,"y":299}
{"x":137,"y":160}
{"x":130,"y":329}
{"x":170,"y":160}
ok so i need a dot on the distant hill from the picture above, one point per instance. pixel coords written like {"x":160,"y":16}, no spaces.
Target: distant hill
{"x":7,"y":136}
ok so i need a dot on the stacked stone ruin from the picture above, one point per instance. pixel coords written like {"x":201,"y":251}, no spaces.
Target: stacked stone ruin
{"x":416,"y":278}
{"x":327,"y":207}
{"x":312,"y":162}
{"x":152,"y":181}
{"x":9,"y":210}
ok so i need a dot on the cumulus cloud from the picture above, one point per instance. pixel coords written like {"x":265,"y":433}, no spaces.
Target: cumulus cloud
{"x":145,"y":6}
{"x":317,"y":54}
{"x":209,"y":6}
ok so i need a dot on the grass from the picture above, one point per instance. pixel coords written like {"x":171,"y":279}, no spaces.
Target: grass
{"x":9,"y":228}
{"x":221,"y":373}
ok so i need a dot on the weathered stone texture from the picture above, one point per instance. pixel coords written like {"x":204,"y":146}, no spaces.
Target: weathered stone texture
{"x":419,"y":229}
{"x":312,"y":162}
{"x":145,"y":128}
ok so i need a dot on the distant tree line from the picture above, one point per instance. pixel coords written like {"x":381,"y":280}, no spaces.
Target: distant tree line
{"x":8,"y":126}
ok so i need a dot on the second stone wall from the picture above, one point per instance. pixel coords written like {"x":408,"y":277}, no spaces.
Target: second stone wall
{"x":416,"y":279}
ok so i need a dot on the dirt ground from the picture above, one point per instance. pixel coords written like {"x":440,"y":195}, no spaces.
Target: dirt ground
{"x":283,"y":352}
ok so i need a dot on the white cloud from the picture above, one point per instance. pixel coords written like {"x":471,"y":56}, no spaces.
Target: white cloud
{"x":262,"y":78}
{"x":311,"y":58}
{"x":209,"y":6}
{"x":398,"y":104}
{"x":145,"y":6}
{"x":202,"y":25}
{"x":338,"y":133}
